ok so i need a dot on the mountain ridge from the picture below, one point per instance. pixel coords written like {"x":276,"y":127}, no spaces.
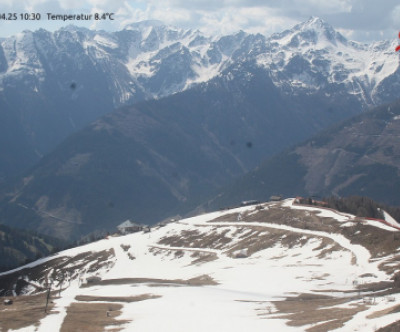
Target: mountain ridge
{"x":174,"y":150}
{"x":48,"y":77}
{"x":267,"y":95}
{"x":355,"y":157}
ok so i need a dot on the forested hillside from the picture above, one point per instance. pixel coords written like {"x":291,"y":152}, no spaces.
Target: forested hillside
{"x":18,"y":247}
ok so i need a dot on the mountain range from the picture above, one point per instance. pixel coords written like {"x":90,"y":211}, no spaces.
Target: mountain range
{"x":161,"y":158}
{"x":53,"y":84}
{"x":154,"y":124}
{"x":220,"y":106}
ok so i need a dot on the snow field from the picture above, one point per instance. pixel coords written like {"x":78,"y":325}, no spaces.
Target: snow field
{"x":318,"y":263}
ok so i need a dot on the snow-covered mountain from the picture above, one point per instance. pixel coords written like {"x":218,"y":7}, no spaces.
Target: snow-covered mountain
{"x":52,"y":84}
{"x":145,"y":60}
{"x":312,"y":57}
{"x":150,"y":59}
{"x":274,"y":266}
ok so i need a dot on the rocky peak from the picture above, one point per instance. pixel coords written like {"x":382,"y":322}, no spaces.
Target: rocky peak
{"x":314,"y":31}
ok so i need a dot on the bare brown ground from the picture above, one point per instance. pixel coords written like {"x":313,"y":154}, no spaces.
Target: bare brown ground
{"x":391,"y":265}
{"x":260,"y":240}
{"x":387,"y":311}
{"x":92,"y":317}
{"x":381,"y":287}
{"x":309,"y":309}
{"x":201,"y":258}
{"x":25,"y":311}
{"x":202,"y":280}
{"x":71,"y":266}
{"x":395,"y":327}
{"x":251,"y":238}
{"x":126,"y":299}
{"x":378,"y":241}
{"x":196,"y":239}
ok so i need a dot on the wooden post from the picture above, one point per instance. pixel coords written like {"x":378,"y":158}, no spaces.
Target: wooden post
{"x":48,"y":296}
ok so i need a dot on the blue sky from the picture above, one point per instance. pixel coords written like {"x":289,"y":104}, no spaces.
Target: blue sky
{"x":361,"y":20}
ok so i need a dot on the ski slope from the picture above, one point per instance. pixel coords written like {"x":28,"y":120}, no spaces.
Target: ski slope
{"x":228,"y":271}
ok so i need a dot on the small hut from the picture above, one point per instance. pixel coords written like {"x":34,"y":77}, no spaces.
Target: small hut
{"x":275,"y":198}
{"x":129,"y":227}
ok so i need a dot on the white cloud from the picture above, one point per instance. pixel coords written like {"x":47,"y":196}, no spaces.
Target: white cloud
{"x":362,"y":19}
{"x":251,"y":19}
{"x":395,"y":16}
{"x":129,"y":14}
{"x":72,"y":4}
